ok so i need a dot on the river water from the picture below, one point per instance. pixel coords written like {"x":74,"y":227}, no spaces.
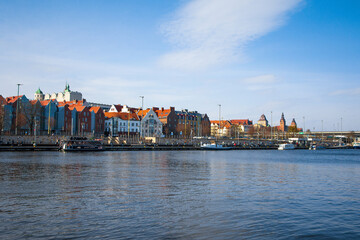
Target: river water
{"x":180,"y":195}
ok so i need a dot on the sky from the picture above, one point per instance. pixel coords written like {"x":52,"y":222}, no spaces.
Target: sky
{"x":299,"y":57}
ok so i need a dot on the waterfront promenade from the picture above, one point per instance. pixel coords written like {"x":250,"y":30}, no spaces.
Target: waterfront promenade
{"x":52,"y":143}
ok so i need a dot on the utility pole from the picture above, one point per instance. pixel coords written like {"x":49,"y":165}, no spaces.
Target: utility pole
{"x":17,"y":108}
{"x":128,"y":128}
{"x":219,"y":119}
{"x":49,"y":123}
{"x":322,"y":130}
{"x":271,"y":127}
{"x":142,"y":110}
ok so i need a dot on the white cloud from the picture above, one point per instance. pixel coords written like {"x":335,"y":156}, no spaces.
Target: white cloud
{"x":210,"y":32}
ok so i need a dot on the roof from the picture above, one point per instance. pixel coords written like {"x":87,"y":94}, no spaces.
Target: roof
{"x":224,"y":123}
{"x":13,"y":98}
{"x":122,"y":115}
{"x":46,"y":102}
{"x":72,"y":103}
{"x":77,"y":108}
{"x":95,"y":109}
{"x":142,"y":113}
{"x":163,"y":113}
{"x":241,"y":122}
{"x":39,"y":91}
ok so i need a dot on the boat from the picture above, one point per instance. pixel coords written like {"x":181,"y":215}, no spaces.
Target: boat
{"x":356,"y":145}
{"x":214,"y":146}
{"x":316,"y":147}
{"x":286,"y":146}
{"x":81,"y":144}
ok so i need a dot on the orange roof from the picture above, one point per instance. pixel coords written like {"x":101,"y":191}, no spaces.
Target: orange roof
{"x":122,"y":115}
{"x":13,"y":99}
{"x":72,"y":103}
{"x":224,"y":123}
{"x":77,"y":108}
{"x":241,"y":122}
{"x":95,"y":109}
{"x":142,"y":113}
{"x":163,"y":113}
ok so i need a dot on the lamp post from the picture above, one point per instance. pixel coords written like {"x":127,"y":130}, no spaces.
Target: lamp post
{"x":271,"y":127}
{"x":142,"y":110}
{"x":219,"y":119}
{"x":17,"y":108}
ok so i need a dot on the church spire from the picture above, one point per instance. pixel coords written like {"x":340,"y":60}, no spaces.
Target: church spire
{"x":67,"y":87}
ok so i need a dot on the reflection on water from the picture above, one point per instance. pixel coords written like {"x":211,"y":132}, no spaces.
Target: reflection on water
{"x":199,"y":194}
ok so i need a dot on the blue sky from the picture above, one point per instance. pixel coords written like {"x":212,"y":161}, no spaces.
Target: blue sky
{"x":300,"y":57}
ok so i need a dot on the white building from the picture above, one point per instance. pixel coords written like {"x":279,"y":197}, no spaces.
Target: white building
{"x":67,"y":95}
{"x":120,"y":123}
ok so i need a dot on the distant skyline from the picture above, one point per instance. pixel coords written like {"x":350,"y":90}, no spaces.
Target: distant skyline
{"x":300,"y":57}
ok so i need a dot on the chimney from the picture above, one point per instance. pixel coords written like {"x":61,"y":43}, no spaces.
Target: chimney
{"x":162,"y":109}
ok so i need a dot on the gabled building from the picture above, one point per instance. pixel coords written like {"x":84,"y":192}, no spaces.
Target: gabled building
{"x":150,"y":125}
{"x":97,"y":120}
{"x":116,"y":108}
{"x":19,"y":118}
{"x":221,"y":128}
{"x":82,"y":125}
{"x":168,"y":118}
{"x":205,"y":125}
{"x":48,"y":120}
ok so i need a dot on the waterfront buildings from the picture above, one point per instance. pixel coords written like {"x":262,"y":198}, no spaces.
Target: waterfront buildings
{"x":67,"y":113}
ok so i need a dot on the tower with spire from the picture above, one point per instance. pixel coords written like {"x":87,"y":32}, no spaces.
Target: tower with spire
{"x":282,"y":126}
{"x":39,"y":95}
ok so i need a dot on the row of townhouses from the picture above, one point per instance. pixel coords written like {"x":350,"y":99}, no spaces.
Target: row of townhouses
{"x":67,"y":113}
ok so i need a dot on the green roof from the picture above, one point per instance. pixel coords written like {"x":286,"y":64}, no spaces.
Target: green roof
{"x":39,"y":91}
{"x":67,"y":88}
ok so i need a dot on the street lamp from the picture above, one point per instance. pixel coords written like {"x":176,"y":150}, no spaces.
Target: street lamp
{"x":219,"y":119}
{"x":17,"y":108}
{"x":142,"y":110}
{"x":271,"y":127}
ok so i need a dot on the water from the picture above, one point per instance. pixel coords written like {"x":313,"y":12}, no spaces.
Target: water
{"x":180,"y":195}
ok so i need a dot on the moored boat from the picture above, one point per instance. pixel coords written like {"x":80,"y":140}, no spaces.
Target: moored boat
{"x":286,"y":146}
{"x":81,"y":144}
{"x":356,"y":145}
{"x":214,"y":146}
{"x":316,"y":147}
